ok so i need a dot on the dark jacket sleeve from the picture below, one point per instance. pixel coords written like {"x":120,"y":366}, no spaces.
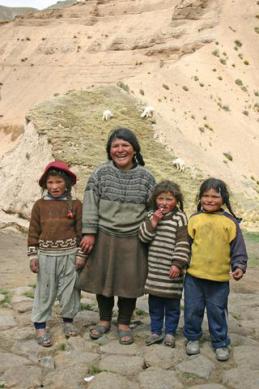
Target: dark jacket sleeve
{"x":238,"y":251}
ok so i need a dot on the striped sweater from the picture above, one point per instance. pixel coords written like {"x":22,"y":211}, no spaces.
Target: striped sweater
{"x":168,"y":245}
{"x":115,"y":200}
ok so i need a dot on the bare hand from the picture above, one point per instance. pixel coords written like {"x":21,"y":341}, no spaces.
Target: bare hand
{"x":156,"y":217}
{"x":80,"y":263}
{"x":34,"y":265}
{"x":87,"y":243}
{"x":237,"y":274}
{"x":174,"y":271}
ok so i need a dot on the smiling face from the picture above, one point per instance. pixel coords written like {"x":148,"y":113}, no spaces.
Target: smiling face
{"x":166,"y":202}
{"x":56,"y":185}
{"x":122,"y":154}
{"x":211,"y":201}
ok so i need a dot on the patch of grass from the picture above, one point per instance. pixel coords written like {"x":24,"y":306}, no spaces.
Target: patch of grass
{"x":7,"y":296}
{"x":165,"y":86}
{"x":93,"y":370}
{"x":226,"y":108}
{"x":123,"y":86}
{"x":239,"y":82}
{"x":252,"y":245}
{"x":215,"y":52}
{"x":62,"y":347}
{"x":238,"y":43}
{"x":140,"y":312}
{"x":228,"y":156}
{"x":29,"y":293}
{"x":87,"y":307}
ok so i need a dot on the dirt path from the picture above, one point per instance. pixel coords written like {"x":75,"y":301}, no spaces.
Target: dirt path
{"x":15,"y":271}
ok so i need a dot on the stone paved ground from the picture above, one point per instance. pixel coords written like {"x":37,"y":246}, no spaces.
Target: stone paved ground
{"x":24,"y":364}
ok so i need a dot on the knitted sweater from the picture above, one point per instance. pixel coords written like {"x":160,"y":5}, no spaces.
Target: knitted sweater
{"x":217,"y":246}
{"x":52,"y":230}
{"x":115,"y":200}
{"x":168,"y":245}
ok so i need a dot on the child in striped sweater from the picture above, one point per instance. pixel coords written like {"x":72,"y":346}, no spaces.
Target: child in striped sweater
{"x":165,"y":230}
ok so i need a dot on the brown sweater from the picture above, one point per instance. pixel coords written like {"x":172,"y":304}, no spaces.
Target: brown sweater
{"x":51,"y":228}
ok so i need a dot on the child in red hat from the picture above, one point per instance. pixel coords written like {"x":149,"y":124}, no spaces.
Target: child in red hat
{"x":53,"y":249}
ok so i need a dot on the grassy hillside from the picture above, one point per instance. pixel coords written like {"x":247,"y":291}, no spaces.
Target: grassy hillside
{"x":74,"y":127}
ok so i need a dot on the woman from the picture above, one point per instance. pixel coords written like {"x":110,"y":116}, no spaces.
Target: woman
{"x":114,"y":206}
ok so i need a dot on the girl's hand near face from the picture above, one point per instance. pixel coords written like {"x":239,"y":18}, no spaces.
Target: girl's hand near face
{"x":174,"y":271}
{"x":156,"y":217}
{"x":237,"y":274}
{"x":87,"y":243}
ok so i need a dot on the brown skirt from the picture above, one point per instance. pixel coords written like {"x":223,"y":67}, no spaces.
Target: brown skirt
{"x":117,"y":266}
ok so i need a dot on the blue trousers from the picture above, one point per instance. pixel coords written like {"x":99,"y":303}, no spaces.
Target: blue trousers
{"x":212,"y":295}
{"x":164,"y":309}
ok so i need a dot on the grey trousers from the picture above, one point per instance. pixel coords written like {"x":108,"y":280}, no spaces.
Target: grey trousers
{"x":56,"y":278}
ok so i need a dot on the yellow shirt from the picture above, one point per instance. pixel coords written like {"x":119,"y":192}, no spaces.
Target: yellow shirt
{"x":212,"y":234}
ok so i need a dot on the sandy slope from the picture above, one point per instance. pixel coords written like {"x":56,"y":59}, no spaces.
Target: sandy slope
{"x":195,"y":61}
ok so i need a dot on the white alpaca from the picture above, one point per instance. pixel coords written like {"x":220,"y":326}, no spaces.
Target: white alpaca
{"x":179,"y":164}
{"x":107,"y":114}
{"x":148,"y":112}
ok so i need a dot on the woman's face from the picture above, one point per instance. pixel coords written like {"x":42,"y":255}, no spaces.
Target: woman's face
{"x":122,"y":154}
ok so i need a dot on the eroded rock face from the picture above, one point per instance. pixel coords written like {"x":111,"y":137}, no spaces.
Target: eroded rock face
{"x":20,"y":170}
{"x":191,"y":9}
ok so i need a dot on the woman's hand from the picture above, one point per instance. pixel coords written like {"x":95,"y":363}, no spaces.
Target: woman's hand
{"x":34,"y":265}
{"x":87,"y":243}
{"x":174,"y":271}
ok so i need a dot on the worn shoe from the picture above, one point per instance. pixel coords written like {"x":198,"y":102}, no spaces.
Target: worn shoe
{"x":125,"y":336}
{"x":70,"y":329}
{"x":98,"y":331}
{"x":192,"y":347}
{"x":153,"y":339}
{"x":222,"y":353}
{"x":44,"y":340}
{"x":169,"y":340}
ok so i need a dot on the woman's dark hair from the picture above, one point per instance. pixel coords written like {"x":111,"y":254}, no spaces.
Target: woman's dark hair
{"x":166,"y":186}
{"x":60,"y":173}
{"x":220,"y":187}
{"x":128,"y":136}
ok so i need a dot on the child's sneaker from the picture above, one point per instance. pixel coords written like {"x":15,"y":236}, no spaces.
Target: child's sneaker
{"x":193,"y":347}
{"x":169,"y":340}
{"x":222,"y":353}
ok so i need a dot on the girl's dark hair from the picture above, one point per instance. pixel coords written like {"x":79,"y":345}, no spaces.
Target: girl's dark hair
{"x":166,"y":186}
{"x":128,"y":136}
{"x":220,"y":187}
{"x":60,"y":173}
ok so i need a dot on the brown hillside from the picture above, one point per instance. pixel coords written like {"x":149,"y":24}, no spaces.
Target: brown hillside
{"x":195,"y":62}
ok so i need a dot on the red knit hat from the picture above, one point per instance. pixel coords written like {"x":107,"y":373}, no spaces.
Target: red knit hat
{"x":59,"y":165}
